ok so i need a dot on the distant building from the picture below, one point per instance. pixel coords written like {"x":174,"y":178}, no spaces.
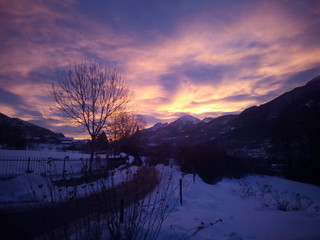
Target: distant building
{"x":67,"y":141}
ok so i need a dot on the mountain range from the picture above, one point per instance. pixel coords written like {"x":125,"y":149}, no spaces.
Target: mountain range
{"x":283,"y":131}
{"x":253,"y":129}
{"x":16,"y":133}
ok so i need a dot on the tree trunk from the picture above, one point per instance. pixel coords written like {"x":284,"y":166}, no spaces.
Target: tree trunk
{"x":92,"y":151}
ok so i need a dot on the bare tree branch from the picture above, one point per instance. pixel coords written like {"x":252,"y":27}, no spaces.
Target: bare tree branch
{"x":124,"y":124}
{"x":88,"y":94}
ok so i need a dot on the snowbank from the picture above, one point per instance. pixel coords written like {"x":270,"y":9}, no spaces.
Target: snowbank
{"x":30,"y":189}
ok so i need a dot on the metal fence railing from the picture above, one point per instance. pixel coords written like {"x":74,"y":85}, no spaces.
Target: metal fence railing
{"x":12,"y":167}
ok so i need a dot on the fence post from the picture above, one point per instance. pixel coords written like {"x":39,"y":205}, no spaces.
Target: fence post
{"x":122,"y":211}
{"x":28,"y":167}
{"x":64,"y":166}
{"x":180,"y":181}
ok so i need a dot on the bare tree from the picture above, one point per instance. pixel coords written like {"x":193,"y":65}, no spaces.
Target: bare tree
{"x":124,"y":124}
{"x":88,"y":94}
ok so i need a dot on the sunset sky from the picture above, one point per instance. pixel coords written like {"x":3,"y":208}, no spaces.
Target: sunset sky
{"x":204,"y":58}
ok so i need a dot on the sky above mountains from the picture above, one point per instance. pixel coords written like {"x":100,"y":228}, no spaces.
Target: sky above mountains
{"x":204,"y":58}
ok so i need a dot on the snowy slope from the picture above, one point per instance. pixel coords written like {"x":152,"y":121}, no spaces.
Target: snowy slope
{"x":158,"y":126}
{"x":242,"y":217}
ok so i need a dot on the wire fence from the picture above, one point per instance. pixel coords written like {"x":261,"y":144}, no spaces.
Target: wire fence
{"x":55,"y":167}
{"x":13,"y":167}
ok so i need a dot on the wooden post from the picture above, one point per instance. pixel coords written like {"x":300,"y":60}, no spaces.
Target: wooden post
{"x":121,"y":211}
{"x":64,"y":167}
{"x":28,"y":168}
{"x":180,"y":191}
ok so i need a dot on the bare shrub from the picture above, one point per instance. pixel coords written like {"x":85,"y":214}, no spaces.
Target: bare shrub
{"x":283,"y":201}
{"x":193,"y":231}
{"x":264,"y":189}
{"x":246,"y":189}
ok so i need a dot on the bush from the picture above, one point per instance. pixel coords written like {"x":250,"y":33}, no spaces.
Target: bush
{"x":283,"y":201}
{"x":246,"y":189}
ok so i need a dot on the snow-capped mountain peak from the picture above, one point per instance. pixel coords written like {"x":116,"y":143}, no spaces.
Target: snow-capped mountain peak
{"x":187,"y":119}
{"x":185,"y":122}
{"x":158,"y":126}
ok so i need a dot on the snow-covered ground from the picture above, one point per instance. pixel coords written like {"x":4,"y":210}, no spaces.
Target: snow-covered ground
{"x":244,"y":214}
{"x":248,"y":208}
{"x":240,"y":209}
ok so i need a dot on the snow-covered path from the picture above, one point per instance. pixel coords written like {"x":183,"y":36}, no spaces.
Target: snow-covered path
{"x":34,"y":221}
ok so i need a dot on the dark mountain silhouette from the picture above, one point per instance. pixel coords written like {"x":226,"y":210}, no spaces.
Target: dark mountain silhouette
{"x":16,"y":133}
{"x":293,"y":116}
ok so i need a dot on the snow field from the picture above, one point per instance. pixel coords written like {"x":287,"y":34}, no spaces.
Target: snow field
{"x":243,"y":218}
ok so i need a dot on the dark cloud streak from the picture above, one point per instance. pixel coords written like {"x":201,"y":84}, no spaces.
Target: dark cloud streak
{"x":18,"y":103}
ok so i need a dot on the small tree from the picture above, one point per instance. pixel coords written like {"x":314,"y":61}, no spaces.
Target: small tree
{"x":88,"y":94}
{"x":102,"y":142}
{"x":124,"y":124}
